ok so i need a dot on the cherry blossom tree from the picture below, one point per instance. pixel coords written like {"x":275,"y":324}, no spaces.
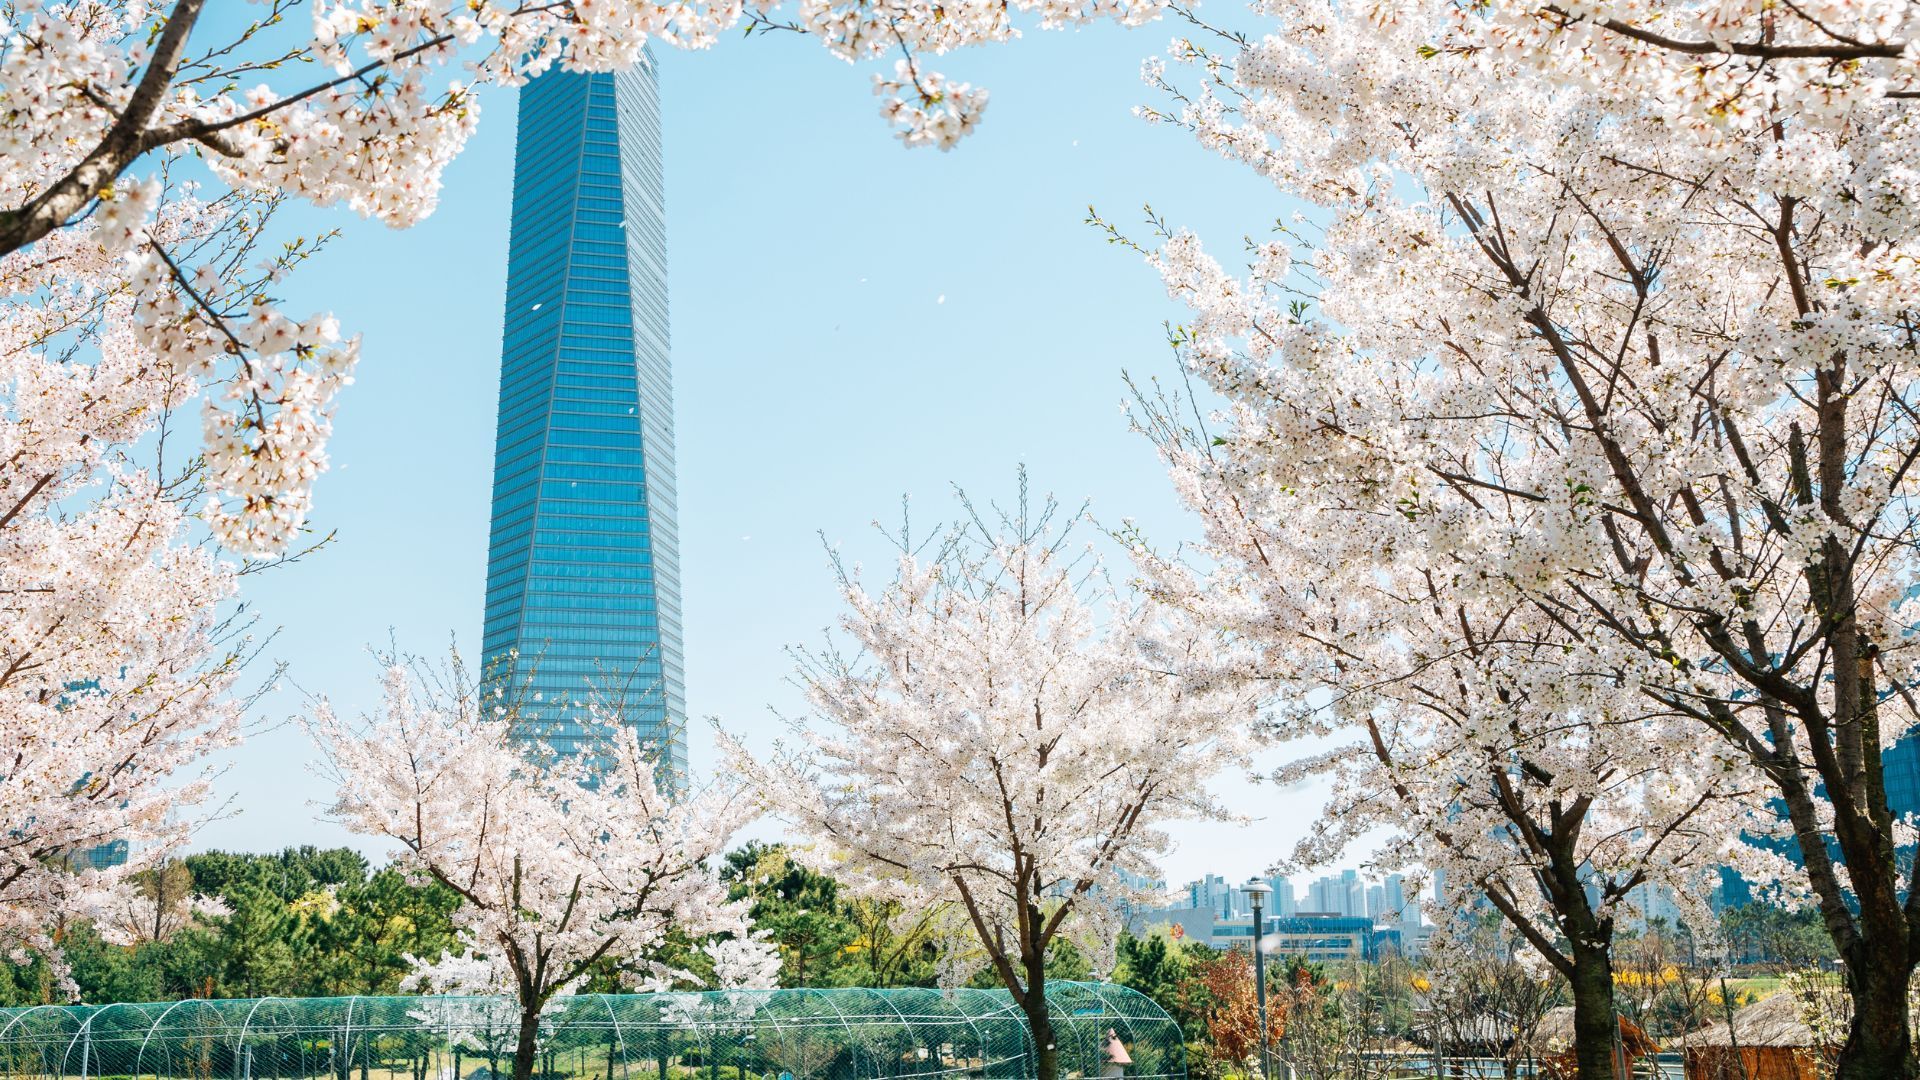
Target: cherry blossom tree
{"x":119,"y":654}
{"x":1490,"y":745}
{"x":564,"y":863}
{"x":153,"y":906}
{"x":1574,"y":426}
{"x":1010,"y":739}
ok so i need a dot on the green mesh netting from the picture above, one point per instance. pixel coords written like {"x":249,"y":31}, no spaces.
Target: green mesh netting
{"x":839,"y":1034}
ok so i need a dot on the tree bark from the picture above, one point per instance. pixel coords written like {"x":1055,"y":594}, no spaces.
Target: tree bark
{"x":1595,"y":1026}
{"x":1879,"y":954}
{"x":1046,"y":1059}
{"x":527,"y":1049}
{"x":1879,"y":1042}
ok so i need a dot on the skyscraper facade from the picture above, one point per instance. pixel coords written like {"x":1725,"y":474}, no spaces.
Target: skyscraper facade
{"x":583,"y":569}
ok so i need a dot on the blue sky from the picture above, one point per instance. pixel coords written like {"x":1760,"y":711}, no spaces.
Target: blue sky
{"x":851,"y":321}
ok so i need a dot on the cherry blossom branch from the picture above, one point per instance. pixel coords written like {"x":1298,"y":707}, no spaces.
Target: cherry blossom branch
{"x":1844,"y":50}
{"x":123,"y":142}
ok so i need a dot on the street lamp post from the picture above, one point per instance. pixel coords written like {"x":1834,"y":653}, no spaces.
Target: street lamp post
{"x":1257,"y":892}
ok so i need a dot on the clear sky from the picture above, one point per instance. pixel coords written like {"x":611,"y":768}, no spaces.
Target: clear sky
{"x":851,"y":321}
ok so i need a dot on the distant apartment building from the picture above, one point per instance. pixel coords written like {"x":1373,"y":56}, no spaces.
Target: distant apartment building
{"x":1140,"y":893}
{"x":1900,"y":772}
{"x":1140,"y":882}
{"x":1215,"y":894}
{"x":1228,"y":899}
{"x":1344,"y":894}
{"x":1448,"y":896}
{"x":105,"y":856}
{"x":1283,"y":902}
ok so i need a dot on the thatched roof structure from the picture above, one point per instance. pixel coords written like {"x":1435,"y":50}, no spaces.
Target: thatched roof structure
{"x":1554,"y":1035}
{"x":1777,"y":1020}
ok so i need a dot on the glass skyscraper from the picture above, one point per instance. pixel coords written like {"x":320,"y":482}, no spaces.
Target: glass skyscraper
{"x":583,"y":569}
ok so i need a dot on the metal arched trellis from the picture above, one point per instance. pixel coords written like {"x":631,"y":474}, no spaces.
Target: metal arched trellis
{"x":813,"y":1034}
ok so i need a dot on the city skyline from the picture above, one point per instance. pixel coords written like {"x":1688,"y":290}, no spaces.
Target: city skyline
{"x":1344,"y":892}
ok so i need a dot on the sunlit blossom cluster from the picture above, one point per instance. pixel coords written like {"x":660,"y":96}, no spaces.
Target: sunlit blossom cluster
{"x":928,"y":109}
{"x":272,"y":383}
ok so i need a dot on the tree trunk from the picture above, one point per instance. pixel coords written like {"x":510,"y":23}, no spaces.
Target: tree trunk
{"x":1880,"y":955}
{"x":526,"y":1050}
{"x":1879,"y":1043}
{"x":1046,"y":1059}
{"x":1595,"y":1027}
